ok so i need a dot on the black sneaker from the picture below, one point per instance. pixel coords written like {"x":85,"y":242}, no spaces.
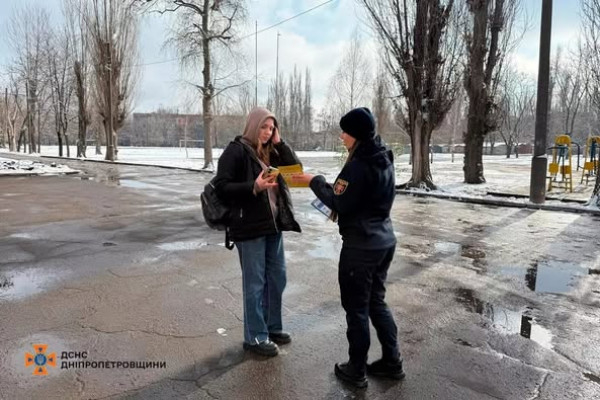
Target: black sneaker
{"x":385,"y":369}
{"x":347,"y":373}
{"x":280,"y":337}
{"x":264,"y":348}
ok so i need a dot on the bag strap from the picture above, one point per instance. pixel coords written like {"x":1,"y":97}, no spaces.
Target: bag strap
{"x":228,"y":243}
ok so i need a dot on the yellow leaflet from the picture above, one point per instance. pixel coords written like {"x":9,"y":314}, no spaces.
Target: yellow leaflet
{"x":287,"y":171}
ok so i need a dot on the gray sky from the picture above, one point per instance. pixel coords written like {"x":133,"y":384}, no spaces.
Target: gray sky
{"x":315,"y":40}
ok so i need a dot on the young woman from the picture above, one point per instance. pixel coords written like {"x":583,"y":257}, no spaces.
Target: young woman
{"x":261,"y":210}
{"x":361,"y":199}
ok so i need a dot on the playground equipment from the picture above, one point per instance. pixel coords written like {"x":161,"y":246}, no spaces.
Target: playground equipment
{"x":561,"y":171}
{"x":592,"y":150}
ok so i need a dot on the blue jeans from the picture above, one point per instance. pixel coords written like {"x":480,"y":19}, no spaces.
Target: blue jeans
{"x":263,"y":277}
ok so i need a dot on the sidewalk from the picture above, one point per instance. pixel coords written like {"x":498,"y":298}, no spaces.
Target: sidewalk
{"x":491,"y":302}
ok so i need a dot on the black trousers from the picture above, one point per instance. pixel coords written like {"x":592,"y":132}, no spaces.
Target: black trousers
{"x":362,"y":275}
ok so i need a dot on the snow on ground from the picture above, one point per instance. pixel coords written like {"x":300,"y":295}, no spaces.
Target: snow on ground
{"x":504,"y":175}
{"x":27,"y":167}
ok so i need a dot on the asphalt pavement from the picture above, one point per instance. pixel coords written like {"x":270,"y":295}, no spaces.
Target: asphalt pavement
{"x":115,"y":271}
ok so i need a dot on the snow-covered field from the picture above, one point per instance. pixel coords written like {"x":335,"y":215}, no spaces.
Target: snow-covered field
{"x":506,"y":175}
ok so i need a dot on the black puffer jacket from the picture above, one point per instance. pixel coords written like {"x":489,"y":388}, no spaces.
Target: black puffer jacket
{"x":251,"y":215}
{"x":362,"y":195}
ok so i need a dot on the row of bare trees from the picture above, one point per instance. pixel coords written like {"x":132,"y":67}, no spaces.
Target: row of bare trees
{"x":590,"y":10}
{"x":57,"y":70}
{"x":424,"y":69}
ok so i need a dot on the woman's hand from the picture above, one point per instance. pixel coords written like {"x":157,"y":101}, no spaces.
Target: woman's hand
{"x":267,"y":182}
{"x":302,"y":178}
{"x":276,"y":138}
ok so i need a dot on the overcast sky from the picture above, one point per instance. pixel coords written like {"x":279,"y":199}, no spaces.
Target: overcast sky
{"x":315,"y":40}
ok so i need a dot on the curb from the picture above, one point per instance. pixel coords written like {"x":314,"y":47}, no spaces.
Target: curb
{"x":128,"y":163}
{"x":500,"y":203}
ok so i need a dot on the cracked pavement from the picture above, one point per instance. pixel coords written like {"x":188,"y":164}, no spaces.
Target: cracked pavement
{"x":491,"y":303}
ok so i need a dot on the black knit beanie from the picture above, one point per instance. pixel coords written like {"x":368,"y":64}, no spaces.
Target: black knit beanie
{"x":359,"y":123}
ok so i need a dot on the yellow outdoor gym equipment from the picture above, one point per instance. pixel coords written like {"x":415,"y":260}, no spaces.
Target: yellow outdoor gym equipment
{"x":592,"y":150}
{"x":561,"y":171}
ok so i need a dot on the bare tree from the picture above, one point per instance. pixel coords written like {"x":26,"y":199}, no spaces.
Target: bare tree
{"x":591,"y":27}
{"x":244,"y":100}
{"x":203,"y":26}
{"x":294,"y":102}
{"x":13,"y":110}
{"x":382,"y":104}
{"x":75,"y":12}
{"x":60,"y":79}
{"x":27,"y":31}
{"x":569,"y":79}
{"x":422,"y":54}
{"x":112,"y":27}
{"x":489,"y":38}
{"x":277,"y":96}
{"x":307,"y":112}
{"x":516,"y":105}
{"x":352,"y":79}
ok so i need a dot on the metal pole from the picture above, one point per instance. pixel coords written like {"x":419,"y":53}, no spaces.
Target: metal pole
{"x":277,"y":78}
{"x":537,"y":190}
{"x":255,"y":63}
{"x":6,"y":120}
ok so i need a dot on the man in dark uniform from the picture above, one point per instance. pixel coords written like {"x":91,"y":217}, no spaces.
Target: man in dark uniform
{"x":361,"y":199}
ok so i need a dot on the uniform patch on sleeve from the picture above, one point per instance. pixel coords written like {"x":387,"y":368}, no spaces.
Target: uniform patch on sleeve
{"x":340,"y":186}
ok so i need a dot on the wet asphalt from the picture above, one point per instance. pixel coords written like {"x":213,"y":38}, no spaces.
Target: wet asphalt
{"x":491,"y":302}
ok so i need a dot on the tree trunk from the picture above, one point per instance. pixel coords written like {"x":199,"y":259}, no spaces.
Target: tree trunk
{"x":595,"y":200}
{"x":98,"y":141}
{"x":207,"y":92}
{"x":22,"y":140}
{"x":31,"y":105}
{"x":82,"y":115}
{"x":60,"y":143}
{"x":473,"y":167}
{"x":421,"y":172}
{"x":67,"y":145}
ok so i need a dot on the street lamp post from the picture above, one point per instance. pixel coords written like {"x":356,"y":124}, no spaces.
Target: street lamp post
{"x":537,"y":190}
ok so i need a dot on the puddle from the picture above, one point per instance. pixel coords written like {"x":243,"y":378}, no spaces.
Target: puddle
{"x":18,"y":285}
{"x":447,"y":247}
{"x":506,"y":321}
{"x":549,"y":277}
{"x":177,"y":246}
{"x":137,"y":184}
{"x":23,"y":235}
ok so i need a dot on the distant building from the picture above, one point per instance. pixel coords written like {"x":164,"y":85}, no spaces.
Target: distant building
{"x":166,"y":129}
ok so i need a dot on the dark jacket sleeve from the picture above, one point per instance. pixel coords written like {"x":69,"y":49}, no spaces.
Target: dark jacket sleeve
{"x":231,"y":182}
{"x":350,"y":200}
{"x":287,"y":156}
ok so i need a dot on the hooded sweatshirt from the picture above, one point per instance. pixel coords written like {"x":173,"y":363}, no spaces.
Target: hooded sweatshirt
{"x":255,"y":120}
{"x":252,"y":213}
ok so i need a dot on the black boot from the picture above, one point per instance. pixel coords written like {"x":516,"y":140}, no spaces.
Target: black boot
{"x":280,"y":337}
{"x":386,"y":369}
{"x":264,"y":348}
{"x":348,"y":373}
